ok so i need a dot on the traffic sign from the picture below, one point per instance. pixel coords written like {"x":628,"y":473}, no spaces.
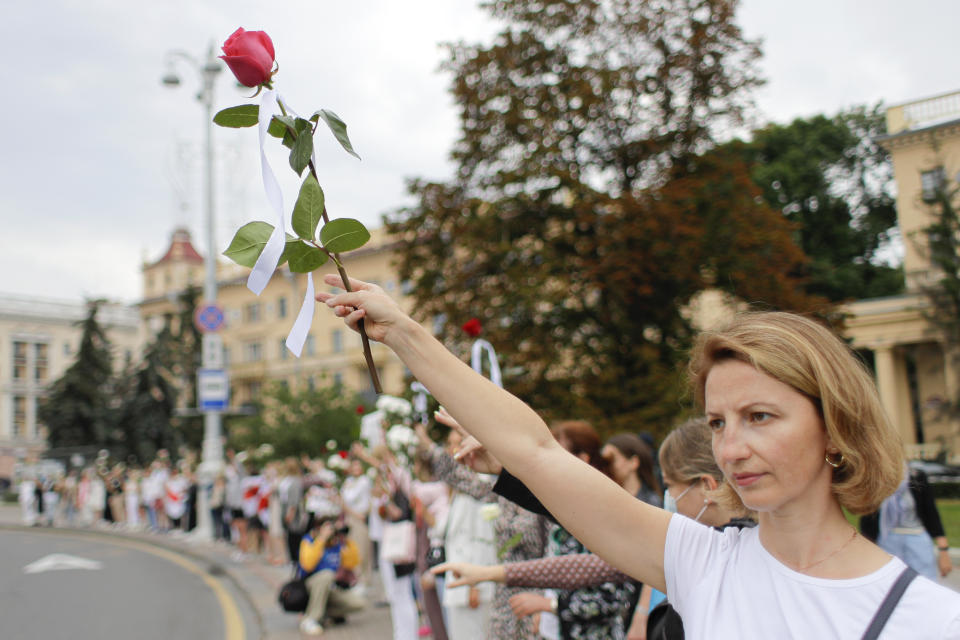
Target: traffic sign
{"x":213,"y":389}
{"x":212,"y":354}
{"x":208,"y":318}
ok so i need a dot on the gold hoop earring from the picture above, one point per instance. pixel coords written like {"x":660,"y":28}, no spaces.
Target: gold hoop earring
{"x":835,"y":464}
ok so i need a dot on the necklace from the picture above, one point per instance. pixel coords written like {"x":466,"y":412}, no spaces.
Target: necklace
{"x":828,"y":556}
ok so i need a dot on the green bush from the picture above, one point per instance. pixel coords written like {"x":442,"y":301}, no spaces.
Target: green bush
{"x":946,"y":490}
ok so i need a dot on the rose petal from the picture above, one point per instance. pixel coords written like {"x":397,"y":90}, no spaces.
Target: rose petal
{"x":267,"y":43}
{"x":229,"y":42}
{"x":248,"y":72}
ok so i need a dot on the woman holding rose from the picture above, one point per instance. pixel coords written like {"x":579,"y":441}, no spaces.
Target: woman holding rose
{"x":799,"y":433}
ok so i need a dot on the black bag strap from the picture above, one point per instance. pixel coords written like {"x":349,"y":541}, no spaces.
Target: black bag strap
{"x":889,"y":604}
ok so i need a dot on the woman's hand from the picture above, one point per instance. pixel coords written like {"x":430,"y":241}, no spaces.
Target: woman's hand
{"x":527,"y":604}
{"x":366,"y":302}
{"x":471,"y":452}
{"x":466,"y":574}
{"x":944,"y":563}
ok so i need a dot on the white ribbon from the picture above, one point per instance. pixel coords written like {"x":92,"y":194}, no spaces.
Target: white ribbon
{"x":267,"y":263}
{"x":476,"y":360}
{"x":301,"y":327}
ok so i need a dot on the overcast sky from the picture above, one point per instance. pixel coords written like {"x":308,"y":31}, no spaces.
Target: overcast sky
{"x":101,"y":161}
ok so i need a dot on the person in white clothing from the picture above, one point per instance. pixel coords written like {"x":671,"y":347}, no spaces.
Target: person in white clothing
{"x":798,"y":431}
{"x":28,"y":500}
{"x":355,"y":495}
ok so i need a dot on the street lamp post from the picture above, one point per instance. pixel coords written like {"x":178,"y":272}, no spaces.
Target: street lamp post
{"x":212,"y":456}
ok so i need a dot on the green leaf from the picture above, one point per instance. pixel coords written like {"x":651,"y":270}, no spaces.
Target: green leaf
{"x":338,"y":127}
{"x":343,"y":234}
{"x":277,"y":129}
{"x":309,"y":209}
{"x":301,"y":151}
{"x":248,"y":243}
{"x":304,"y":258}
{"x":244,"y":115}
{"x":287,"y":121}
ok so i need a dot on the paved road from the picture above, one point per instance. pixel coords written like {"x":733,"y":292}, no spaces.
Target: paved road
{"x":138,"y":591}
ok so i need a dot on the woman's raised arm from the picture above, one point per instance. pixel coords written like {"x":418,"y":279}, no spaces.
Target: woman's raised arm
{"x":609,"y":521}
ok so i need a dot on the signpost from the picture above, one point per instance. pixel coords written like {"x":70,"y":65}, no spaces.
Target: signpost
{"x":213,"y":389}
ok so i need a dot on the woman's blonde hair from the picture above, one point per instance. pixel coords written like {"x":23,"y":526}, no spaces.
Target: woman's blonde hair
{"x":686,"y":454}
{"x":808,"y":357}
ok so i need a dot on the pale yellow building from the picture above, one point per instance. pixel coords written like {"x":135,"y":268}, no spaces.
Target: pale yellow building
{"x":914,"y":378}
{"x":39,"y":339}
{"x":256,"y":327}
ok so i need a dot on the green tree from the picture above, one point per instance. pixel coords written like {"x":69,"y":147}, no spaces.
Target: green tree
{"x":831,"y":178}
{"x":76,"y":412}
{"x":186,"y":346}
{"x":144,"y":420}
{"x":588,"y":209}
{"x":299,"y":421}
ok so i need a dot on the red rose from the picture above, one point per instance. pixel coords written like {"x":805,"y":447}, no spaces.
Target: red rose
{"x":472,"y":327}
{"x":342,"y":454}
{"x":360,"y":410}
{"x":249,"y":54}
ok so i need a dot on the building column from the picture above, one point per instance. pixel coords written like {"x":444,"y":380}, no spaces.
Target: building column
{"x":951,"y":381}
{"x":886,"y":366}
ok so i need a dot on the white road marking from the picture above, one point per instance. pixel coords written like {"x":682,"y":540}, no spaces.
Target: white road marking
{"x":60,"y":562}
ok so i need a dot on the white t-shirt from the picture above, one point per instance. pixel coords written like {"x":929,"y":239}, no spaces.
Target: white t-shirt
{"x":355,"y":492}
{"x":726,"y":585}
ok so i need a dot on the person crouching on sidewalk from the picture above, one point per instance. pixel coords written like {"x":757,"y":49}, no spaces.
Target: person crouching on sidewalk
{"x":324,"y":551}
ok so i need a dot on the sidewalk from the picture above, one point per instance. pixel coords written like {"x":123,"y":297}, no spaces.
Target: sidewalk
{"x":257,"y":584}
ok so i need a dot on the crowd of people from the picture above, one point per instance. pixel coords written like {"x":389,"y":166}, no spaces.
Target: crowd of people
{"x":507,"y":527}
{"x":758,"y":545}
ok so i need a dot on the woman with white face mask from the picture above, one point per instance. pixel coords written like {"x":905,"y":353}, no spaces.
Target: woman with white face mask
{"x":691,"y":475}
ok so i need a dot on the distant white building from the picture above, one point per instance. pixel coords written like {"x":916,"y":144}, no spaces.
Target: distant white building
{"x":39,"y":338}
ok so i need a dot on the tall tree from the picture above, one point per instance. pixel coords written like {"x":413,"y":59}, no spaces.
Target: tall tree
{"x":588,"y":210}
{"x":830,"y":177}
{"x":144,"y":420}
{"x":186,"y":347}
{"x":76,"y":411}
{"x":299,"y":421}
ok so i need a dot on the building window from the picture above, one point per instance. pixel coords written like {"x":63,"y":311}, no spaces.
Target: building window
{"x":338,"y":379}
{"x":252,"y":312}
{"x":310,"y":346}
{"x":66,"y":348}
{"x":932,"y":183}
{"x":336,"y":340}
{"x":311,"y":383}
{"x":253,"y":389}
{"x":19,"y":360}
{"x":284,"y":353}
{"x":40,"y":361}
{"x":19,"y":417}
{"x":254,"y":352}
{"x":282,"y":308}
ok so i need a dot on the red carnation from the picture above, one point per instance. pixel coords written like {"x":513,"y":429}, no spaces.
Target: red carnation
{"x":472,"y":327}
{"x":342,"y":454}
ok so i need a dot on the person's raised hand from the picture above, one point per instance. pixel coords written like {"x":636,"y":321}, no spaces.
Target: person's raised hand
{"x":367,"y":302}
{"x":471,"y":452}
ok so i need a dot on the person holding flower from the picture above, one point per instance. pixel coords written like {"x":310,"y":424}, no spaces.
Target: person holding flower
{"x":799,"y":433}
